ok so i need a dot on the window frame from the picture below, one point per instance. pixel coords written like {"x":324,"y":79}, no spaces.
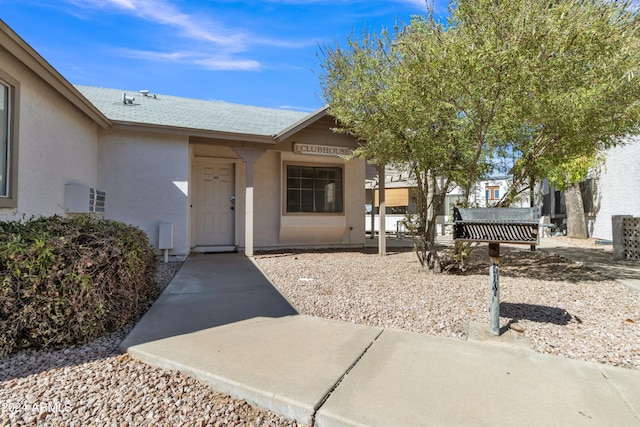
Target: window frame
{"x":10,"y":200}
{"x":491,"y":191}
{"x":285,"y":188}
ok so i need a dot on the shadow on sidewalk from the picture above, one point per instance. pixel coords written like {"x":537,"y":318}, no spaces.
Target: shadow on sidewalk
{"x":600,"y":261}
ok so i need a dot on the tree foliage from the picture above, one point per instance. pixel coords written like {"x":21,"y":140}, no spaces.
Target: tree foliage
{"x":537,"y":84}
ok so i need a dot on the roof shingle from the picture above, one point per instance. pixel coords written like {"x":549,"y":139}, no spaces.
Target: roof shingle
{"x":189,"y":113}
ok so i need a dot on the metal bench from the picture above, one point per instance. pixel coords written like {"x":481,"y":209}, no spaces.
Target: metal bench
{"x":495,"y":226}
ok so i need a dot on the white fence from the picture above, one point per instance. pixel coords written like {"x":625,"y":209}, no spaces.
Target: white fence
{"x":394,"y":224}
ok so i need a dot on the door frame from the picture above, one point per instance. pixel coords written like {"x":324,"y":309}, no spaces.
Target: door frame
{"x":195,"y":160}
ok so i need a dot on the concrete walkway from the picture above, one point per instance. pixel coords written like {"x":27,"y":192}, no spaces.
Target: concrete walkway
{"x":209,"y":291}
{"x":625,"y":272}
{"x":221,"y":321}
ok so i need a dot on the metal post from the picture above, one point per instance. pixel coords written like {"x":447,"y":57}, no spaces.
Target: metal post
{"x":494,"y":282}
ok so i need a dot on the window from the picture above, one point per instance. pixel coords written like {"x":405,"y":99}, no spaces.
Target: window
{"x":493,"y":193}
{"x":4,"y":139}
{"x":8,"y":136}
{"x":314,"y":189}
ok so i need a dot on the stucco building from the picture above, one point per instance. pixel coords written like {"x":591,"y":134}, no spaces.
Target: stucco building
{"x":224,"y":176}
{"x":617,"y":188}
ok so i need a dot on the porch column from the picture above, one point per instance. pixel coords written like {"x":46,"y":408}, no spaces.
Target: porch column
{"x":250,"y":156}
{"x":382,"y":235}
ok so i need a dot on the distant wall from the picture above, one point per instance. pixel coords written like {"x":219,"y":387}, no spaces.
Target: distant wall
{"x":618,"y":187}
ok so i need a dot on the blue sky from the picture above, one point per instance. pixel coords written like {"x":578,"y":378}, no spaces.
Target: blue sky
{"x":262,"y":53}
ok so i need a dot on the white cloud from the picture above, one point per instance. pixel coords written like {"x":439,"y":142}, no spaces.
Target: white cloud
{"x":123,"y":3}
{"x":419,"y":4}
{"x":222,"y":63}
{"x":217,"y":42}
{"x":440,"y":7}
{"x":218,"y":62}
{"x":163,"y":12}
{"x":194,"y":27}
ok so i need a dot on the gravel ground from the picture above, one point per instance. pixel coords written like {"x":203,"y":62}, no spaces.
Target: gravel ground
{"x":562,"y":308}
{"x":94,"y":385}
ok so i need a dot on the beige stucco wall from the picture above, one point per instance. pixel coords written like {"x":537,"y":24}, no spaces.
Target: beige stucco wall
{"x":57,"y":145}
{"x":146,"y":177}
{"x":267,"y":199}
{"x":272,"y":226}
{"x":325,"y":229}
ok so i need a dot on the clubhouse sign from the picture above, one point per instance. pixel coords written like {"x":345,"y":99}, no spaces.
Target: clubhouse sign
{"x":321,"y":150}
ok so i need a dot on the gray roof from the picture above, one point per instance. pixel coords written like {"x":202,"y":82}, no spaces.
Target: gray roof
{"x":193,"y":114}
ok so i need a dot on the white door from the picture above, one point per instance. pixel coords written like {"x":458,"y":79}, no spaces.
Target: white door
{"x":214,"y":203}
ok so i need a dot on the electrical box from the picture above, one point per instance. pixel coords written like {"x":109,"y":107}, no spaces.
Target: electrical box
{"x":165,"y":236}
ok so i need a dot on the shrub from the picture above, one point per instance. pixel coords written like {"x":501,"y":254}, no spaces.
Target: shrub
{"x":66,"y":281}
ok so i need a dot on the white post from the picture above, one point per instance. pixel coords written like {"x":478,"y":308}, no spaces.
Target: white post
{"x":248,"y":218}
{"x":250,"y":156}
{"x":382,"y":235}
{"x":373,"y":214}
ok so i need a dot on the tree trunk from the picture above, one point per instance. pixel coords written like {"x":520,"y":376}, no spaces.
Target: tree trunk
{"x":431,"y":196}
{"x":576,"y":219}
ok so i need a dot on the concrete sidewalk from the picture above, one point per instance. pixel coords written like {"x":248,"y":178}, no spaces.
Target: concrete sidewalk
{"x":328,"y":373}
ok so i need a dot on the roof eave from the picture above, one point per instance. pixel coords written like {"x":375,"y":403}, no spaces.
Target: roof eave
{"x":32,"y":59}
{"x":301,"y":124}
{"x":202,"y":133}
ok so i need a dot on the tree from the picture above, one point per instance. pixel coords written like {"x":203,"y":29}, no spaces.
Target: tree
{"x":542,"y":82}
{"x":366,"y":89}
{"x":567,"y":177}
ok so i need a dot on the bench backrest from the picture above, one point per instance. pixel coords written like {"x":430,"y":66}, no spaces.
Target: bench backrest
{"x":497,"y":225}
{"x":500,"y":214}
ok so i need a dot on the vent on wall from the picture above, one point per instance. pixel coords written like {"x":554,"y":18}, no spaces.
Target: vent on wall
{"x":80,"y":198}
{"x":96,"y":200}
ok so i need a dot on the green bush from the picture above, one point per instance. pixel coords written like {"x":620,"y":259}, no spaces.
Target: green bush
{"x":66,"y":281}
